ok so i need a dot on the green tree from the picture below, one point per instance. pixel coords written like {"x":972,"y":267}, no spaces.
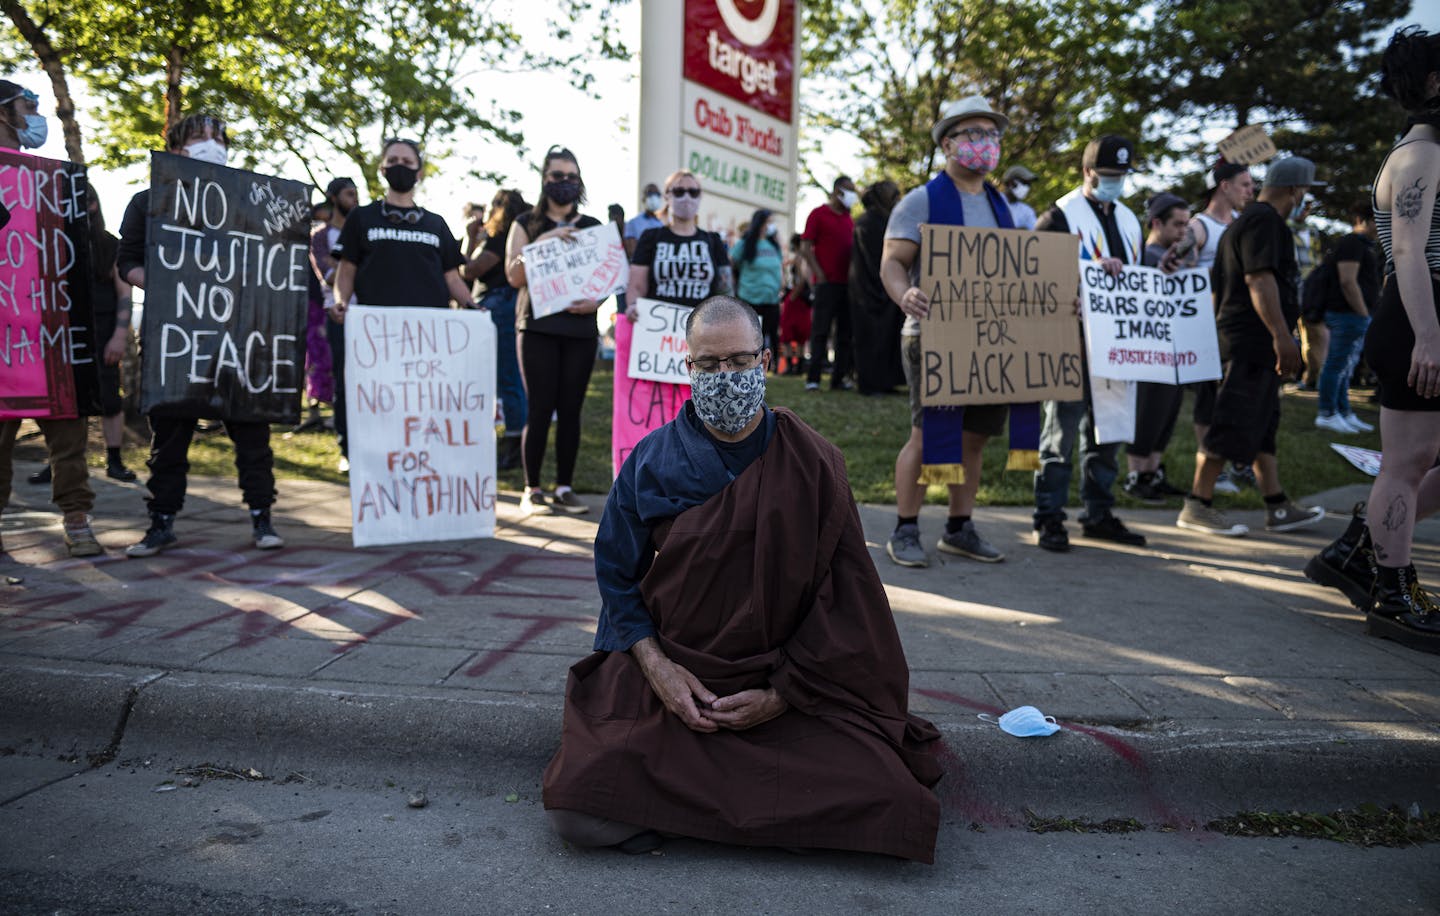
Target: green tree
{"x":311,"y":81}
{"x":1304,"y":69}
{"x":881,"y":72}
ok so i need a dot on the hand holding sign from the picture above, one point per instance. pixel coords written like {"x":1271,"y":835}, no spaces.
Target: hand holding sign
{"x":574,"y":266}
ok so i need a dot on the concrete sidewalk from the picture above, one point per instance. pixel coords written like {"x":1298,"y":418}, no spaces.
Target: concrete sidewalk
{"x":1195,"y":677}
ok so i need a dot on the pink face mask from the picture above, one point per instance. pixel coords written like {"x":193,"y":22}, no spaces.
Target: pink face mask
{"x":979,"y":157}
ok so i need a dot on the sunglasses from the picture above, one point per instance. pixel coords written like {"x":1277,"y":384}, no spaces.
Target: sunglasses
{"x":684,"y":192}
{"x":401,"y":216}
{"x":563,"y":176}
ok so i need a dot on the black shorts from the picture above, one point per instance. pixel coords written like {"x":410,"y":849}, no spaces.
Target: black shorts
{"x":1157,"y":407}
{"x":1204,"y":402}
{"x":1388,"y":345}
{"x":981,"y":419}
{"x":1247,"y":412}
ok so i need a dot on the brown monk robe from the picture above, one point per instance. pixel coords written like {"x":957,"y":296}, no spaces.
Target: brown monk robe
{"x":766,"y":584}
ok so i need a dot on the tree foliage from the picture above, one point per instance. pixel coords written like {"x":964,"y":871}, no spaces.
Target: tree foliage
{"x":1304,"y":69}
{"x":882,"y":71}
{"x":319,"y":80}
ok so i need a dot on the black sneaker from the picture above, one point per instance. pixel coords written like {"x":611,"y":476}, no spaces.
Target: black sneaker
{"x":264,"y":533}
{"x":160,"y":536}
{"x":568,"y":502}
{"x":1110,"y":528}
{"x":1141,"y":485}
{"x":116,"y":470}
{"x":1164,"y":487}
{"x":1347,"y":563}
{"x":1050,"y":534}
{"x":41,"y":476}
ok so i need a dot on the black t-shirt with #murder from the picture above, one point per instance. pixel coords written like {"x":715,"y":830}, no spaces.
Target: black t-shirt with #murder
{"x":682,"y":268}
{"x":1258,"y":240}
{"x":397,"y":261}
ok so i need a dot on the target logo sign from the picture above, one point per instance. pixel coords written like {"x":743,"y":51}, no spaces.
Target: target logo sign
{"x":744,"y":49}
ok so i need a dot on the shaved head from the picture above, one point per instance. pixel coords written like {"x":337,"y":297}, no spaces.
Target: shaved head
{"x":724,"y":310}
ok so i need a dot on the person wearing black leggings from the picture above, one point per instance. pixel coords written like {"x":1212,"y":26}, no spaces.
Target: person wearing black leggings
{"x":557,"y":352}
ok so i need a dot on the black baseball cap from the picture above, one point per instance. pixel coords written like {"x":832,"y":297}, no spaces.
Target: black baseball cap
{"x":1162,"y":202}
{"x":1109,"y":152}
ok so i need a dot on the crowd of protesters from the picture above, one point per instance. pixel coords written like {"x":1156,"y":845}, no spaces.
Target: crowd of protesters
{"x":842,"y":296}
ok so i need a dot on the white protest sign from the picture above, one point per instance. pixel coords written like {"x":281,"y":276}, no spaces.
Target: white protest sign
{"x":420,"y":398}
{"x":591,"y":265}
{"x":1364,"y":459}
{"x":1148,"y":326}
{"x":657,"y":344}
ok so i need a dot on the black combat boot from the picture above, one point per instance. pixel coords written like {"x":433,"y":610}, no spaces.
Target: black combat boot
{"x":1348,"y":562}
{"x":1403,"y":611}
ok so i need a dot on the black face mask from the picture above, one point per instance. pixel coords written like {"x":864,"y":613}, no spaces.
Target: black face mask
{"x":563,"y":192}
{"x":401,"y":177}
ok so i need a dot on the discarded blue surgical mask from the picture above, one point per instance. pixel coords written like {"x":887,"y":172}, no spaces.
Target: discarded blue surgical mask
{"x":1025,"y":722}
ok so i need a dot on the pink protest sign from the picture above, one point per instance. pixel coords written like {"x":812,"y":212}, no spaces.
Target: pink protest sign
{"x":47,"y":358}
{"x":640,"y":405}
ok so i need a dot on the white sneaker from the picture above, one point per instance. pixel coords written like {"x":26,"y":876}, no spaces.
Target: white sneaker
{"x":1335,"y":423}
{"x":1224,"y":484}
{"x":1357,"y":424}
{"x":344,"y":465}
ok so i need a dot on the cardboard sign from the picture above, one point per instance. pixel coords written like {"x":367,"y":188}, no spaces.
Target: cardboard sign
{"x":1248,"y":145}
{"x":227,"y":262}
{"x":49,"y":365}
{"x":420,"y":397}
{"x":592,"y":265}
{"x":1364,"y":459}
{"x":639,"y":405}
{"x":1001,"y":328}
{"x":1148,"y":326}
{"x":657,"y":342}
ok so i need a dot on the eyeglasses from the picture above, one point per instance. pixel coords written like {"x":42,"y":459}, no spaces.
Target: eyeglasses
{"x":564,"y":176}
{"x":976,"y":134}
{"x":735,"y":362}
{"x":401,"y":216}
{"x":684,"y":192}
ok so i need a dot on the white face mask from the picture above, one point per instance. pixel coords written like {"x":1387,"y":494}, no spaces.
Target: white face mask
{"x":848,"y":199}
{"x":1020,"y":190}
{"x":209,"y":150}
{"x":653,"y":202}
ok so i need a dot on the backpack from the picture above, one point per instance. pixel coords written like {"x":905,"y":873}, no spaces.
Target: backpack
{"x":1321,"y":287}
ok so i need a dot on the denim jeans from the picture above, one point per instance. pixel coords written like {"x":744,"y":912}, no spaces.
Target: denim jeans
{"x":1061,"y":424}
{"x":1347,"y":337}
{"x":508,"y":386}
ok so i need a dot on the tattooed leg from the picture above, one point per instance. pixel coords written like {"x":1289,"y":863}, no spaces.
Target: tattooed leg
{"x":1408,"y":486}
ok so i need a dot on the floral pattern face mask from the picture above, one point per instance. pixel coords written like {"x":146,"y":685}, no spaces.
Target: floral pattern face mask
{"x":728,"y":400}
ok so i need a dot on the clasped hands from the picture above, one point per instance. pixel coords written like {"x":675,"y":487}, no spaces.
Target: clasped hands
{"x":696,"y":705}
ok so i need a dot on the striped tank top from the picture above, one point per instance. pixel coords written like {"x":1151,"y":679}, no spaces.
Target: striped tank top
{"x":1384,"y":220}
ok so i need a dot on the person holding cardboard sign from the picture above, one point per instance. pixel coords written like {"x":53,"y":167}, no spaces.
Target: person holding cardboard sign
{"x":557,"y":352}
{"x":202,"y":137}
{"x":1110,"y":234}
{"x":968,"y":134}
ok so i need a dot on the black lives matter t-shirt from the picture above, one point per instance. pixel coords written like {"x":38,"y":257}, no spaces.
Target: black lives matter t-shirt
{"x":399,"y":262}
{"x":1258,"y":240}
{"x":682,"y":268}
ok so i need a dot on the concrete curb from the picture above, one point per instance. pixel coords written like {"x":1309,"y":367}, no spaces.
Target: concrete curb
{"x":478,"y":741}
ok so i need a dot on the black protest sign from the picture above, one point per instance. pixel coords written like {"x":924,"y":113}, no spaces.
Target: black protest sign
{"x":1001,"y":328}
{"x":48,"y":362}
{"x":226,"y":274}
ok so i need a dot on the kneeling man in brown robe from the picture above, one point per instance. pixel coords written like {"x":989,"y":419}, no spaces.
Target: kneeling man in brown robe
{"x":748,"y":684}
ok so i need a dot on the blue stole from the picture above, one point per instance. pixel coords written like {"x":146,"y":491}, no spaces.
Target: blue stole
{"x":943,"y":428}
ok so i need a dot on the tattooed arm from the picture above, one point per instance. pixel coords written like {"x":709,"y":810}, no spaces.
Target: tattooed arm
{"x":1408,"y":184}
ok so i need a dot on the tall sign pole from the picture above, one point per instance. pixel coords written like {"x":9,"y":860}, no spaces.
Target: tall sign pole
{"x":719,"y":94}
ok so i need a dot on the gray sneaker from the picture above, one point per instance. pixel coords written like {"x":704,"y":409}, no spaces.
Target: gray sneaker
{"x":1287,"y":516}
{"x":904,"y":547}
{"x":967,"y":542}
{"x":1196,"y":516}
